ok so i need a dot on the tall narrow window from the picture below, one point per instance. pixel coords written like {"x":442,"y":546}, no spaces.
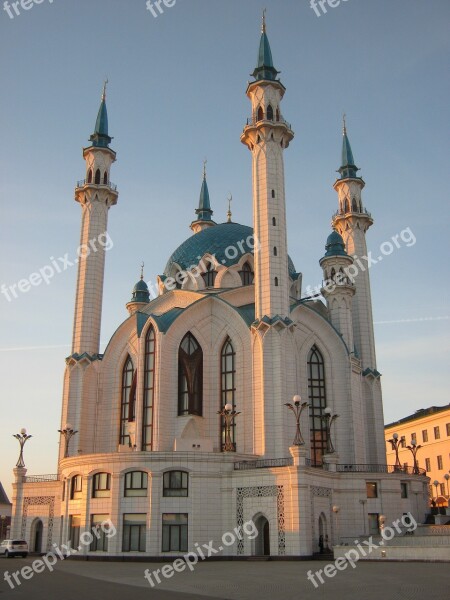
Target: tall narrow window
{"x":190,"y":377}
{"x":273,"y":193}
{"x":276,"y":282}
{"x":90,"y":176}
{"x":105,"y":178}
{"x":275,"y":251}
{"x":209,"y":276}
{"x":246,"y":274}
{"x":127,"y":381}
{"x":274,"y":221}
{"x":260,"y":114}
{"x":149,"y":390}
{"x":317,"y":403}
{"x":270,"y":113}
{"x":97,"y":176}
{"x":228,"y":372}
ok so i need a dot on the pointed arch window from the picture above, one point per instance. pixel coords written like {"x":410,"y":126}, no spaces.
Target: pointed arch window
{"x":246,"y":274}
{"x":190,"y":377}
{"x":317,"y":402}
{"x":276,"y":281}
{"x":97,"y":176}
{"x":270,"y":113}
{"x":347,"y":205}
{"x":209,"y":276}
{"x":105,"y":178}
{"x":90,"y":176}
{"x":228,"y":387}
{"x":354,"y":205}
{"x":127,"y":384}
{"x":260,"y":114}
{"x":149,"y":390}
{"x":278,"y":114}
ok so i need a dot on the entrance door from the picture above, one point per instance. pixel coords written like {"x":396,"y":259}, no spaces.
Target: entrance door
{"x":37,"y":542}
{"x":262,"y":546}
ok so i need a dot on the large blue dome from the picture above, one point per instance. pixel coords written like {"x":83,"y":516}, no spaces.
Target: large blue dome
{"x":227,"y":241}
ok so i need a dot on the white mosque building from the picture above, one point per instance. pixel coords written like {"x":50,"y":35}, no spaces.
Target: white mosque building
{"x":228,"y":333}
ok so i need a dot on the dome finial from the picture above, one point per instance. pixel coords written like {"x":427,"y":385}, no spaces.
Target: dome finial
{"x":104,"y":89}
{"x":142,"y":270}
{"x":229,"y":214}
{"x":344,"y":124}
{"x":204,"y":168}
{"x":263,"y":28}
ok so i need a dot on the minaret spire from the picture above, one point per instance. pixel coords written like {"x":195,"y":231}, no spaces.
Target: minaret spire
{"x":263,"y":28}
{"x":265,"y":68}
{"x":100,"y":138}
{"x":229,"y":214}
{"x":203,"y":212}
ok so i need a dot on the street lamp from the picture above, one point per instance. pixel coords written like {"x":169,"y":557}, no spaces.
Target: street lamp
{"x":395,"y":443}
{"x":67,"y":433}
{"x":297,"y":408}
{"x":447,"y":477}
{"x":228,"y":414}
{"x":329,"y":419}
{"x":413,"y":448}
{"x":21,"y":437}
{"x":336,"y":510}
{"x":436,"y":485}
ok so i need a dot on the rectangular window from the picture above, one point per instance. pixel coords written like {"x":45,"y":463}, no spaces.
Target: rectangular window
{"x":374,"y":527}
{"x":74,"y":530}
{"x":100,"y":540}
{"x":101,"y":487}
{"x":175,"y":484}
{"x":427,"y":464}
{"x":414,"y":437}
{"x":440,"y":463}
{"x":442,"y":488}
{"x":437,"y":433}
{"x":372,"y":489}
{"x":76,"y":489}
{"x":403,"y":441}
{"x":448,"y":428}
{"x":136,"y":483}
{"x":404,"y":490}
{"x":175,"y":532}
{"x":424,"y":435}
{"x":134,"y":526}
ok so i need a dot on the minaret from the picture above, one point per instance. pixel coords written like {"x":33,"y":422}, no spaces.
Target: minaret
{"x":338,"y":289}
{"x":266,"y":135}
{"x":140,"y":295}
{"x":95,"y":194}
{"x":203,"y":212}
{"x":352,"y":222}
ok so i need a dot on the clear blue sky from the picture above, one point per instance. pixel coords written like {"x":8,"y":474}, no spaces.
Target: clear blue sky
{"x":176,"y":95}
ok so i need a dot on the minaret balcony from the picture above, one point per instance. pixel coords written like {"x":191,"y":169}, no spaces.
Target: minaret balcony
{"x":255,"y":121}
{"x":84,"y":182}
{"x":342,"y":213}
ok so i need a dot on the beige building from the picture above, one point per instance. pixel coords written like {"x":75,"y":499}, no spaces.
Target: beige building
{"x":430,"y":428}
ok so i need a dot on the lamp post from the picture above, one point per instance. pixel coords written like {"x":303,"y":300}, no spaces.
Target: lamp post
{"x":395,"y":443}
{"x":228,"y":414}
{"x":329,"y":419}
{"x":413,"y":448}
{"x":447,"y":477}
{"x":336,"y":510}
{"x":297,"y":408}
{"x":436,"y":485}
{"x":21,"y":437}
{"x":68,"y":434}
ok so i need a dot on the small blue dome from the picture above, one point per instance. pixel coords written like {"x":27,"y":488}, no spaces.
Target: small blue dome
{"x":335,"y":245}
{"x":141,"y":292}
{"x":228,"y":242}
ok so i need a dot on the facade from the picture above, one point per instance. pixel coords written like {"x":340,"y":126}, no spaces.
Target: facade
{"x":430,"y":428}
{"x":228,"y":333}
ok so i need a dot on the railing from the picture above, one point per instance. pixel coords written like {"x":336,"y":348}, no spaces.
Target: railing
{"x":40,"y":478}
{"x":341,"y":213}
{"x":83,"y":182}
{"x":379,"y":469}
{"x":246,"y":465}
{"x":255,"y":120}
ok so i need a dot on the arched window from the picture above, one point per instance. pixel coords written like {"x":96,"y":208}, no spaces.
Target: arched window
{"x":228,"y":387}
{"x":276,"y":281}
{"x":246,"y":274}
{"x":136,"y":484}
{"x":105,"y":178}
{"x":278,"y":114}
{"x":354,"y":206}
{"x":209,"y":276}
{"x":149,"y":390}
{"x":260,"y":114}
{"x":317,"y":402}
{"x":127,"y":382}
{"x":76,"y":487}
{"x":101,"y":485}
{"x":333,"y":274}
{"x":274,"y":221}
{"x":273,"y":193}
{"x":270,"y":113}
{"x":90,"y":176}
{"x":275,"y":251}
{"x":97,"y":176}
{"x":347,"y":205}
{"x":190,"y":377}
{"x":175,"y":484}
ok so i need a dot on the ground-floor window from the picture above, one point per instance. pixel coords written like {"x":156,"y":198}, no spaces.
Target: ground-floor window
{"x":100,"y":539}
{"x":374,"y":525}
{"x":74,"y":530}
{"x":174,"y":532}
{"x":134,"y":532}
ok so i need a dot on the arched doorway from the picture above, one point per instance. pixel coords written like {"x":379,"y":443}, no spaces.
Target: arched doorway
{"x":323,"y":541}
{"x":262,"y":542}
{"x":36,"y":536}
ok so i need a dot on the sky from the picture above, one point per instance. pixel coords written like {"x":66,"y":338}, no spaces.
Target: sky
{"x":176,"y":95}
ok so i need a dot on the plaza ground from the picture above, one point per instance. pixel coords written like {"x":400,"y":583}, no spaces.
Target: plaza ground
{"x":233,"y":580}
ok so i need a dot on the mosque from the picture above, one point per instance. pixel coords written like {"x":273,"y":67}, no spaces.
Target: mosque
{"x":179,"y":432}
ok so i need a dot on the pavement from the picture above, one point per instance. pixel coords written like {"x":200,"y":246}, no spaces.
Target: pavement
{"x":230,"y":580}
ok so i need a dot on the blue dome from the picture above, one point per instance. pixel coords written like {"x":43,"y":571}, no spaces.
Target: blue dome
{"x":227,"y":241}
{"x":335,"y":245}
{"x":140,"y":292}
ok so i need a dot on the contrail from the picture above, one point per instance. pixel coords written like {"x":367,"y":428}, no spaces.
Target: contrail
{"x":416,"y":320}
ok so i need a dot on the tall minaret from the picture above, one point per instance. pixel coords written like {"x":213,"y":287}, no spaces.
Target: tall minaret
{"x":95,"y":194}
{"x":266,"y":135}
{"x":352,"y":221}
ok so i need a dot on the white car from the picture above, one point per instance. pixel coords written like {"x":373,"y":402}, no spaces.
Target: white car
{"x":14,"y":548}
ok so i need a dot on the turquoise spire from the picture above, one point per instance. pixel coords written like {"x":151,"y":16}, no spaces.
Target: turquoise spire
{"x":348,"y":169}
{"x":204,"y":211}
{"x":100,"y":137}
{"x":265,"y":68}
